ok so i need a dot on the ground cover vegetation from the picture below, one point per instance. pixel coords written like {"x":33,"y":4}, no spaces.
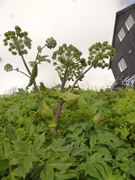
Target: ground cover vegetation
{"x":65,"y":132}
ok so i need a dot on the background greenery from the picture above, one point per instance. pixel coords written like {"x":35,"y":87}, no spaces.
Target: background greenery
{"x":95,"y":138}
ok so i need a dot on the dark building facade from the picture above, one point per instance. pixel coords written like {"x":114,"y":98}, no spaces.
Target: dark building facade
{"x":124,"y":43}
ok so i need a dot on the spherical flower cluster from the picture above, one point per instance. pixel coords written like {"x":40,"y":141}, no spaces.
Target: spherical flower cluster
{"x":17,"y":41}
{"x":8,"y":67}
{"x":51,"y":43}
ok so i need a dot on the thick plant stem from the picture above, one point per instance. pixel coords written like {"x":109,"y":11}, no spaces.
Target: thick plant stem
{"x":60,"y":103}
{"x":57,"y":115}
{"x":58,"y":110}
{"x":25,"y":64}
{"x":64,"y":80}
{"x":53,"y":129}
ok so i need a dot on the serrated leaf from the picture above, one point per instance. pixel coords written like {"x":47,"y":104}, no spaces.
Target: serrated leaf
{"x":39,"y":141}
{"x":62,"y":163}
{"x":24,"y":166}
{"x":92,"y":171}
{"x":131,"y":166}
{"x":55,"y":87}
{"x":31,"y":129}
{"x":21,"y":92}
{"x":14,"y":161}
{"x":7,"y":149}
{"x":56,"y":144}
{"x":42,"y":127}
{"x":114,"y":177}
{"x":132,"y":171}
{"x":122,"y":153}
{"x":17,"y":157}
{"x":105,"y":137}
{"x":101,"y":170}
{"x":47,"y":173}
{"x":32,"y":63}
{"x":93,"y":140}
{"x":62,"y":175}
{"x":3,"y":164}
{"x":69,"y":148}
{"x":96,"y":157}
{"x":19,"y":144}
{"x":105,"y":153}
{"x":29,"y":103}
{"x":10,"y":132}
{"x":79,"y":148}
{"x":11,"y":177}
{"x":48,"y":154}
{"x":59,"y":165}
{"x":82,"y":101}
{"x":42,"y":59}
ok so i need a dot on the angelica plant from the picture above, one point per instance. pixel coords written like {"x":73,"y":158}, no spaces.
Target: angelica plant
{"x":19,"y":43}
{"x":71,"y":66}
{"x":68,"y":62}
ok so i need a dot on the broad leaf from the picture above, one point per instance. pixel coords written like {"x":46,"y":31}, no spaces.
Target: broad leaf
{"x":7,"y":149}
{"x":21,"y":145}
{"x":122,"y":153}
{"x":31,"y":129}
{"x":10,"y":132}
{"x":62,"y":175}
{"x":47,"y":173}
{"x":39,"y":141}
{"x":92,"y":171}
{"x":79,"y":148}
{"x":24,"y":166}
{"x":59,"y":165}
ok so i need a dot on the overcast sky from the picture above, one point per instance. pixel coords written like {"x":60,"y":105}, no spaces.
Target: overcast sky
{"x":78,"y":22}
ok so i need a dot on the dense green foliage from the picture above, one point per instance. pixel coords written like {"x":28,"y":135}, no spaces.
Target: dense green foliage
{"x":95,"y":139}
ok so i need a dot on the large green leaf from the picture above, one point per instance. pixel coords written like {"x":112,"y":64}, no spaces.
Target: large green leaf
{"x":57,"y":144}
{"x":122,"y":153}
{"x":92,"y":171}
{"x":31,"y":129}
{"x":7,"y":149}
{"x":62,"y":175}
{"x":101,"y":169}
{"x":130,"y":165}
{"x":79,"y":148}
{"x":21,"y":145}
{"x":39,"y":141}
{"x":11,"y":177}
{"x":13,"y":109}
{"x":41,"y":127}
{"x":10,"y":132}
{"x":3,"y":164}
{"x":24,"y":166}
{"x":47,"y":173}
{"x":59,"y":165}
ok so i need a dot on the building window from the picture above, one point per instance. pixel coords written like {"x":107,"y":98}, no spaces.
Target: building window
{"x":121,"y":34}
{"x":122,"y":64}
{"x":129,"y":22}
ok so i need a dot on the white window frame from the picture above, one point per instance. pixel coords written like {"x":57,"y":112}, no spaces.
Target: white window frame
{"x":122,"y":64}
{"x":129,"y":22}
{"x":121,"y":34}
